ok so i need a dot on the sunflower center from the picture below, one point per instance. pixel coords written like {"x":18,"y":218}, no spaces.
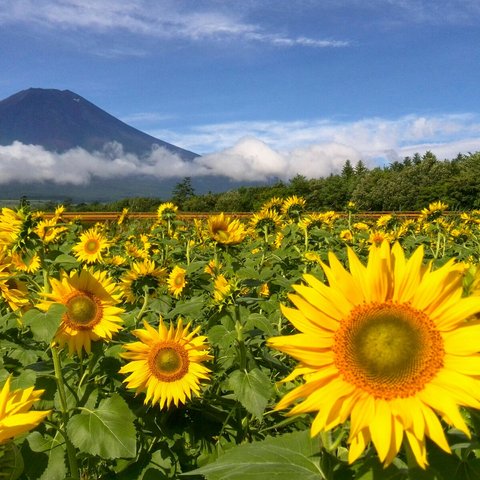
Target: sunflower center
{"x":389,"y":350}
{"x":169,"y":361}
{"x":83,"y":312}
{"x":178,"y":280}
{"x":92,"y":246}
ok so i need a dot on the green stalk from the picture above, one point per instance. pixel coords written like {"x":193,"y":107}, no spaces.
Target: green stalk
{"x":71,"y":454}
{"x":143,"y":308}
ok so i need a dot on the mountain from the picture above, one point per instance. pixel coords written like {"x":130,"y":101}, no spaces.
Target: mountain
{"x":60,"y":120}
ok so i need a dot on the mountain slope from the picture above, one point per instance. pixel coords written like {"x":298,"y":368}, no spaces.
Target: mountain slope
{"x":60,"y":120}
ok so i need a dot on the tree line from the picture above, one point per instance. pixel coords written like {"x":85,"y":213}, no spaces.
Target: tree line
{"x":407,"y":185}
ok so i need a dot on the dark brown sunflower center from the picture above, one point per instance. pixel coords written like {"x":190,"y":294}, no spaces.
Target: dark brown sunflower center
{"x":83,"y":312}
{"x":169,"y":361}
{"x":389,"y":350}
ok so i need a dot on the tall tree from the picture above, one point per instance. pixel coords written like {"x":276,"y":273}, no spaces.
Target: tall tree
{"x":182,"y":192}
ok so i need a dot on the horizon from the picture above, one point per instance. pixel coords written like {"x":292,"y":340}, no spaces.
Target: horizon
{"x":271,"y":87}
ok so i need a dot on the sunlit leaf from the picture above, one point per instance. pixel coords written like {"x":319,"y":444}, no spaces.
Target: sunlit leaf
{"x":252,"y":389}
{"x":291,"y":456}
{"x":108,"y":431}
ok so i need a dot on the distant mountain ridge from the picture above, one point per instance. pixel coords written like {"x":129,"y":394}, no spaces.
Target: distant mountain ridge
{"x":60,"y":120}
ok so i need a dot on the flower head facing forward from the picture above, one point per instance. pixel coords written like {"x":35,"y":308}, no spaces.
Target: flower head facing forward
{"x":177,"y":281}
{"x":386,"y":345}
{"x":15,"y":414}
{"x":166,"y":363}
{"x":91,"y":313}
{"x":91,"y":246}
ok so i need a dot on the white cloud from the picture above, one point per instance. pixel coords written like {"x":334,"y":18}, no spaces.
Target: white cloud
{"x":154,"y":18}
{"x":32,"y":163}
{"x":260,"y":151}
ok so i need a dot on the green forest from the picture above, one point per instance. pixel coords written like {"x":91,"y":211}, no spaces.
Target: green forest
{"x":407,"y":185}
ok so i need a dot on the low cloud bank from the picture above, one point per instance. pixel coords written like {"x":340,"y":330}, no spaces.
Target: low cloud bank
{"x":250,"y":158}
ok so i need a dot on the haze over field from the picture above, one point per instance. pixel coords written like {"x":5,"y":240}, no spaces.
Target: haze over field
{"x":260,"y":89}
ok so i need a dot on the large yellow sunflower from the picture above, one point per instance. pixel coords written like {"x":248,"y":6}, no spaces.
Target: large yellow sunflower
{"x":91,"y":246}
{"x":15,"y":414}
{"x":166,"y":363}
{"x":390,"y":345}
{"x":224,"y":230}
{"x":142,"y":275}
{"x":90,"y":298}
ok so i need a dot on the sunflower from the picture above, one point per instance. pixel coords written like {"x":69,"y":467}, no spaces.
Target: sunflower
{"x":166,"y":363}
{"x":91,"y":245}
{"x":385,"y":221}
{"x":90,"y":299}
{"x":346,"y":235}
{"x":48,"y":230}
{"x":389,"y":345}
{"x":221,"y":288}
{"x":11,"y":226}
{"x":434,"y":211}
{"x":167,"y":211}
{"x":293,"y":207}
{"x":176,"y":281}
{"x":28,"y":262}
{"x":15,"y":414}
{"x":274,"y":203}
{"x":266,"y":221}
{"x":213,"y":267}
{"x":377,"y":237}
{"x":224,"y":230}
{"x":311,"y":221}
{"x":143,"y":275}
{"x":122,"y":216}
{"x":12,"y":290}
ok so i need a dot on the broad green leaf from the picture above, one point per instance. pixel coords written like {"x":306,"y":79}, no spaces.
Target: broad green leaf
{"x":11,"y":462}
{"x":252,"y":389}
{"x":107,"y":431}
{"x":44,"y":325}
{"x":221,"y":336}
{"x":24,"y":356}
{"x":51,"y":456}
{"x":261,"y":322}
{"x":190,"y":307}
{"x":26,"y":379}
{"x":65,"y":259}
{"x":289,"y":457}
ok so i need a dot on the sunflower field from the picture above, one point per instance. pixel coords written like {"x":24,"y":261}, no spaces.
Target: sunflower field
{"x":285,"y":345}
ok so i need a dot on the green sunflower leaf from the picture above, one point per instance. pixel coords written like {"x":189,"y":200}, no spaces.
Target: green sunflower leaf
{"x":44,"y":325}
{"x":108,"y":431}
{"x":252,"y":389}
{"x":290,"y":456}
{"x":46,"y":457}
{"x":11,"y":462}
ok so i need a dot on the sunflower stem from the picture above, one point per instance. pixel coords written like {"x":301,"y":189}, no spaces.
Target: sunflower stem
{"x":71,"y":454}
{"x":143,"y":308}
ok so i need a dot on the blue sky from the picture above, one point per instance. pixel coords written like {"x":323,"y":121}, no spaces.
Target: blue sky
{"x":275,"y":87}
